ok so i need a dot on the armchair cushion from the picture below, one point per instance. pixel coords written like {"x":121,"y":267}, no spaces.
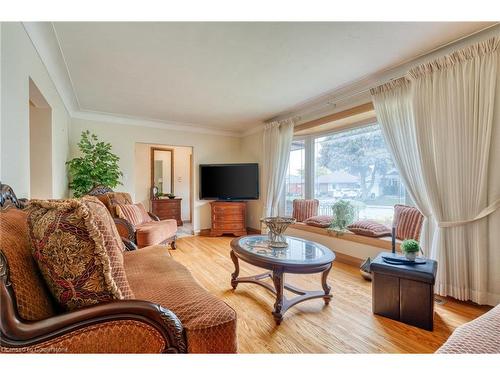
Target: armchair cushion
{"x":78,"y":250}
{"x":304,"y":209}
{"x":111,"y":199}
{"x":210,"y":323}
{"x":408,"y":222}
{"x":155,"y":232}
{"x":136,"y":214}
{"x":33,"y":299}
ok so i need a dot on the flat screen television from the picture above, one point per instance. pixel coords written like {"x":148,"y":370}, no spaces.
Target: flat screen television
{"x":229,"y":181}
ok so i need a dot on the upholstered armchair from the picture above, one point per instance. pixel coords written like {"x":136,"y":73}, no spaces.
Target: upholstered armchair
{"x":151,"y":231}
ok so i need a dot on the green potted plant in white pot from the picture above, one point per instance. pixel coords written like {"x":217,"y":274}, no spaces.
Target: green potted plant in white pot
{"x":410,"y":249}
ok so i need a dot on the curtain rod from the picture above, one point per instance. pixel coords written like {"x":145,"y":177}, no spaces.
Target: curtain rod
{"x":333,"y":101}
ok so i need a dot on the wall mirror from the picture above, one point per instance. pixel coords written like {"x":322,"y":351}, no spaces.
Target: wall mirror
{"x":162,"y":172}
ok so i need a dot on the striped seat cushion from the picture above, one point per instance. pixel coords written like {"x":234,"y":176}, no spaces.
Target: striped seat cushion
{"x":136,"y":214}
{"x":321,"y":221}
{"x":369,"y":228}
{"x":408,"y":222}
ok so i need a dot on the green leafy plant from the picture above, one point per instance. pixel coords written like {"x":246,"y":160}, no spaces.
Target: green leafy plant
{"x":97,"y":166}
{"x":344,"y":213}
{"x":410,"y":246}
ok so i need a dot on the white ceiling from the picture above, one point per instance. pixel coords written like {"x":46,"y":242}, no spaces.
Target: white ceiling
{"x":231,"y":76}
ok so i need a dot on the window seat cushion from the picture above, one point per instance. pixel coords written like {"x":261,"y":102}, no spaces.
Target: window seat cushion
{"x":369,"y":228}
{"x":321,"y":221}
{"x":379,"y":242}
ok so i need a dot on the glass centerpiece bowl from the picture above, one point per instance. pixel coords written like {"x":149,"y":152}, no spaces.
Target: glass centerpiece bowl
{"x":277,"y":226}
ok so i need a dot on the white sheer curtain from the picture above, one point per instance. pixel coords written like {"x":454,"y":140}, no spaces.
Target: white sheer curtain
{"x":453,"y":103}
{"x":438,"y":124}
{"x":278,"y":137}
{"x":393,"y":105}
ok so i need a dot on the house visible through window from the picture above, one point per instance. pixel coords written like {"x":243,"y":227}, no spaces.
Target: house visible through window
{"x":353,"y":165}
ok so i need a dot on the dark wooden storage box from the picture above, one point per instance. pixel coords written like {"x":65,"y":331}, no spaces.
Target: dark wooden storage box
{"x":404,"y":292}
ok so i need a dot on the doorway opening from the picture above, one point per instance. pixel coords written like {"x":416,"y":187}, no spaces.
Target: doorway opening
{"x":40,"y":124}
{"x":166,"y":172}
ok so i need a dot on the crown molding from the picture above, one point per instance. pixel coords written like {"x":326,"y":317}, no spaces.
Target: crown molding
{"x":151,"y":123}
{"x":45,"y":42}
{"x":252,"y":130}
{"x":357,"y":92}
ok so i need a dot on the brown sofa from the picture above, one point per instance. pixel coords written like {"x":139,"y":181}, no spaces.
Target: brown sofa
{"x":155,"y":232}
{"x":171,"y":312}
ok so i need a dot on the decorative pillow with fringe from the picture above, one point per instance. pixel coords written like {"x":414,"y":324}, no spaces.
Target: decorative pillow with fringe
{"x":78,"y":251}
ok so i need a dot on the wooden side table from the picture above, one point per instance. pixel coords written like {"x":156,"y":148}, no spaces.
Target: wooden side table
{"x":167,"y":209}
{"x":228,"y":217}
{"x":404,"y":292}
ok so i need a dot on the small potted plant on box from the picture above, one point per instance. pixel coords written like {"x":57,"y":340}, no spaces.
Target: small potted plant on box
{"x":410,"y":248}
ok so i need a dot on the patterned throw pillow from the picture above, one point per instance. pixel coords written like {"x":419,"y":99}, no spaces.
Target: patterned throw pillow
{"x":78,"y":251}
{"x":321,"y":221}
{"x":369,"y":228}
{"x":136,"y":214}
{"x":408,"y":222}
{"x":304,"y":209}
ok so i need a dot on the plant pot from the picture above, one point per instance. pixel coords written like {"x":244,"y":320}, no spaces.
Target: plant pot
{"x":411,"y":256}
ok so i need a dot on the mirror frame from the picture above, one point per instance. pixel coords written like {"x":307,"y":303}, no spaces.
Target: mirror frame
{"x":153,"y":149}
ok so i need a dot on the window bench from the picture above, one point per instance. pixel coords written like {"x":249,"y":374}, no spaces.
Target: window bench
{"x":350,"y":248}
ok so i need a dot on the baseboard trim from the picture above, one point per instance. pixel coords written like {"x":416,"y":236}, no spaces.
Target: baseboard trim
{"x":348,"y":259}
{"x":206,"y":232}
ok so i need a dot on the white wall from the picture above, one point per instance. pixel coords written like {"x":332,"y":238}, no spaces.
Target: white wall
{"x":40,"y":152}
{"x":206,"y":149}
{"x":182,"y":157}
{"x":251,"y":148}
{"x":20,"y":62}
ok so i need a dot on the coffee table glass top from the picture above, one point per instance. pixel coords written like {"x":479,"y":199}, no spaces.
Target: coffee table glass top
{"x":299,"y":251}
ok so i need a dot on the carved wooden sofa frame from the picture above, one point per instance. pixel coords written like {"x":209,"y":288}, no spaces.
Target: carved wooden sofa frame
{"x":125,"y":227}
{"x":18,"y":334}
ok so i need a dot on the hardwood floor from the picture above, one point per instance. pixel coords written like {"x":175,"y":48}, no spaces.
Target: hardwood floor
{"x":347,"y":325}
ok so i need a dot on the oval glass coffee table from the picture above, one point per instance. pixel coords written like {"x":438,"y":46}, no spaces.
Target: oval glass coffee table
{"x":300,"y":257}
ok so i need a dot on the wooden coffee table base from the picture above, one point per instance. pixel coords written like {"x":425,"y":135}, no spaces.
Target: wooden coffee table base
{"x":277,"y":275}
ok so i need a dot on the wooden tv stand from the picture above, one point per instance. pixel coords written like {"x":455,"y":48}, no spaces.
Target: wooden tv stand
{"x":228,"y":218}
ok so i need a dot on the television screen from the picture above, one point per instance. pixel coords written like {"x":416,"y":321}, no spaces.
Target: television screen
{"x":229,"y":181}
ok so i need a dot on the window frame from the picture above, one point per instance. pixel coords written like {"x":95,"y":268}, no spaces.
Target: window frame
{"x":310,"y":165}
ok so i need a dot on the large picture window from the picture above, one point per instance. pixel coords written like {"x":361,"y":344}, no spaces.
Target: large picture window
{"x":353,"y":165}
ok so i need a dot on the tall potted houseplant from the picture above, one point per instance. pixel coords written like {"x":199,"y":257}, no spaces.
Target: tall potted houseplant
{"x":97,"y":166}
